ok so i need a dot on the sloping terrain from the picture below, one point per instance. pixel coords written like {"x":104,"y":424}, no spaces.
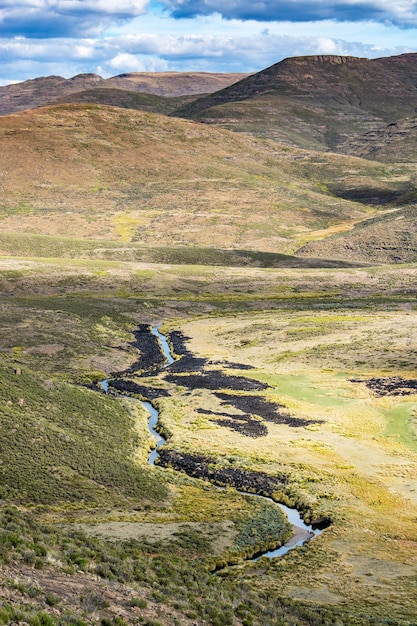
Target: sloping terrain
{"x":113,"y":175}
{"x":395,"y":142}
{"x":174,"y":84}
{"x":390,"y":238}
{"x":125,"y":99}
{"x":40,"y":91}
{"x":315,"y":102}
{"x":293,"y":377}
{"x":91,"y":534}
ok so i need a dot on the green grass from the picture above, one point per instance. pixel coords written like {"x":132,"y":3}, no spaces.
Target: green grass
{"x":67,"y":444}
{"x":301,"y":387}
{"x":41,"y":246}
{"x":401,"y":424}
{"x":78,"y":456}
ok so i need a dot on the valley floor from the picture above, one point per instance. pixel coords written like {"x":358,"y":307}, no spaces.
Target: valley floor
{"x":307,"y":376}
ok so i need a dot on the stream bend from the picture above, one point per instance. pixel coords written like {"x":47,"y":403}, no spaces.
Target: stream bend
{"x":302,"y":532}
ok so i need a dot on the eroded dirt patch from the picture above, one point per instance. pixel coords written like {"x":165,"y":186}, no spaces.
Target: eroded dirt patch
{"x":220,"y":534}
{"x":150,"y":355}
{"x":392,"y":386}
{"x":200,"y":466}
{"x":132,"y":388}
{"x":269,"y":411}
{"x":216,"y":380}
{"x":243,"y":424}
{"x":187,"y":361}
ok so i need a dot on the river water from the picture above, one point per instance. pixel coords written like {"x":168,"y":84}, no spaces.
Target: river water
{"x":302,"y":532}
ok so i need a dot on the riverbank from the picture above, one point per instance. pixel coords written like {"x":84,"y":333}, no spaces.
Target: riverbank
{"x":246,"y":482}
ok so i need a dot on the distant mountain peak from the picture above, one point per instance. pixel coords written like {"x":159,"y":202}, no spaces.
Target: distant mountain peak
{"x":95,"y":77}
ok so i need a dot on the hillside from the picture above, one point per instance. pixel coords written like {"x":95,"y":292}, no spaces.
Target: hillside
{"x":96,"y":173}
{"x":390,"y":238}
{"x":395,"y":142}
{"x":109,"y":96}
{"x":315,"y":102}
{"x":47,"y":89}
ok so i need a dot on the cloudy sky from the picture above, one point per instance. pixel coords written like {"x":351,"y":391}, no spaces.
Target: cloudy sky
{"x":108,"y":37}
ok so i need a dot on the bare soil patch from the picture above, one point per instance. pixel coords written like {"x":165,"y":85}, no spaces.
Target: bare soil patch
{"x":216,"y":380}
{"x":391,"y":386}
{"x":201,"y":466}
{"x":269,"y":411}
{"x":150,"y":354}
{"x":130,"y":387}
{"x":221,"y":532}
{"x":243,"y":424}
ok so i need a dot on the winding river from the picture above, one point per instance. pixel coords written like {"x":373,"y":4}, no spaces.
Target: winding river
{"x":302,"y":532}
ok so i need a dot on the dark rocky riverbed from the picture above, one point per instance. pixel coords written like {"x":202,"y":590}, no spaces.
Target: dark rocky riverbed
{"x":150,"y":358}
{"x":243,"y":424}
{"x":215,"y":379}
{"x":200,"y":466}
{"x":391,"y":386}
{"x":269,"y":411}
{"x":129,"y":387}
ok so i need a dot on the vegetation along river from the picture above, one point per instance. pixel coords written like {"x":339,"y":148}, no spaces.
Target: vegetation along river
{"x":301,"y":532}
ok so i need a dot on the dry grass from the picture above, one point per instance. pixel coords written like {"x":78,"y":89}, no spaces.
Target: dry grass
{"x":104,"y":173}
{"x":307,"y":333}
{"x":348,"y":466}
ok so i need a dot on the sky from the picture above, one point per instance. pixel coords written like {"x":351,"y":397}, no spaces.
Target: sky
{"x":110,"y":37}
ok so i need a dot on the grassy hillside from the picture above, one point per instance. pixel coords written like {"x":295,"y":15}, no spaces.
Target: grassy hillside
{"x":396,"y":142}
{"x":386,"y":239}
{"x":294,"y":376}
{"x":90,"y":534}
{"x":132,"y":177}
{"x":126,"y":100}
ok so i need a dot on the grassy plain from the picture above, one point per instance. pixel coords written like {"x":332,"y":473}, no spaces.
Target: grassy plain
{"x":76,"y":459}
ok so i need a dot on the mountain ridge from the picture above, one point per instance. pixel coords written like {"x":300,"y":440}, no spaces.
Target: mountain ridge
{"x":315,"y":101}
{"x":46,"y":89}
{"x":319,"y":102}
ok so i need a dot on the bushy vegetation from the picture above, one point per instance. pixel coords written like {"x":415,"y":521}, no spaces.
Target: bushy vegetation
{"x":66,"y":443}
{"x":174,"y":577}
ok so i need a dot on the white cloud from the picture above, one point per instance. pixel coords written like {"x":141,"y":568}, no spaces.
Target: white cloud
{"x":157,"y":42}
{"x":63,"y":18}
{"x":124,"y":62}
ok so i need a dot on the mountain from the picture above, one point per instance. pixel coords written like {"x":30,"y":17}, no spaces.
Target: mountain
{"x":133,"y":178}
{"x":315,"y":102}
{"x":344,"y":104}
{"x":44,"y":90}
{"x":173,"y":84}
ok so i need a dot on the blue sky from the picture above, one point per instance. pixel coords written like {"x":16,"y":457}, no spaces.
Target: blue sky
{"x":109,"y":37}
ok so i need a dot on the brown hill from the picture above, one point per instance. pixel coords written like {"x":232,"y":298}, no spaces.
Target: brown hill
{"x":44,"y":90}
{"x":109,"y":174}
{"x":173,"y":84}
{"x":316,"y":101}
{"x":126,"y":99}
